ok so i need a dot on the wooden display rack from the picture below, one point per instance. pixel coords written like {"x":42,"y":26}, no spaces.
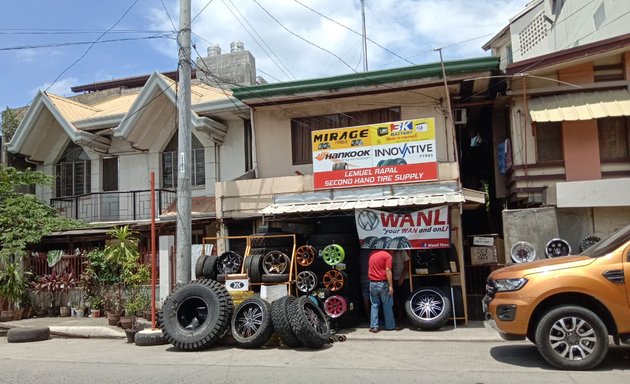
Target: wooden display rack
{"x":248,"y":247}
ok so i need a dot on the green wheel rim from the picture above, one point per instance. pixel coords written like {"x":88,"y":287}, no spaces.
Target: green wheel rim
{"x":333,"y":254}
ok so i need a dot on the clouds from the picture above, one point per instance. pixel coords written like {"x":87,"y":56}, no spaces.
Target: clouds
{"x":61,"y":87}
{"x":286,"y":33}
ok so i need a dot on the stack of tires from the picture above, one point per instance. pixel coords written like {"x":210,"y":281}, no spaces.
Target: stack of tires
{"x":269,"y":259}
{"x":198,"y":314}
{"x":216,"y":267}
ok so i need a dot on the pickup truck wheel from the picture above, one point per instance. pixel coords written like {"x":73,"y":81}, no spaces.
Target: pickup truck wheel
{"x":572,"y":337}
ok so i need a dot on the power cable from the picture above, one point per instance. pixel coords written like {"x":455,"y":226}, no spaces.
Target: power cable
{"x":202,"y":9}
{"x":168,"y":15}
{"x":288,"y":72}
{"x":91,"y":43}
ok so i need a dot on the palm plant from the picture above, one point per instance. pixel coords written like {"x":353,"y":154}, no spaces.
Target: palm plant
{"x":12,"y":279}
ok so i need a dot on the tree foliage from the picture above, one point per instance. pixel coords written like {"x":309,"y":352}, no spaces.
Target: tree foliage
{"x":24,"y":219}
{"x":10,"y":122}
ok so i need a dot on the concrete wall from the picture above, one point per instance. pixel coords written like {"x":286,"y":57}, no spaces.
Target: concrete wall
{"x":273,"y":126}
{"x":534,"y":225}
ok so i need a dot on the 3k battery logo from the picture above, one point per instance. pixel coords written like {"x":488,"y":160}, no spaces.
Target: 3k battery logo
{"x":402,"y":126}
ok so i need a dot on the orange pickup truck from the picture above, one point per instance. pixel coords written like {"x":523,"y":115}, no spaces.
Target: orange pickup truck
{"x":568,"y":306}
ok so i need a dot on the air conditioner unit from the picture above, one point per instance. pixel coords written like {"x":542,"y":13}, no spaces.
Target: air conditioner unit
{"x":459,"y":116}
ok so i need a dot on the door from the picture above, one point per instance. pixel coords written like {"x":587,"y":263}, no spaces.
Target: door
{"x":110,"y":202}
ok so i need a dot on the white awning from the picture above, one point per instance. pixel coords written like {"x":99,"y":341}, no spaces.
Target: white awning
{"x":388,"y":202}
{"x":580,"y":106}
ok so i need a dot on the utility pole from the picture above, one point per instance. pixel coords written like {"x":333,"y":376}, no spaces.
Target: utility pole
{"x":365,"y":60}
{"x":184,"y":147}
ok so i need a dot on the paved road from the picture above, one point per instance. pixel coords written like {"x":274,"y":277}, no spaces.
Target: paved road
{"x":71,"y":361}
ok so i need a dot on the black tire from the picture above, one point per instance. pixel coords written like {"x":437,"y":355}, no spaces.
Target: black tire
{"x":220,"y":278}
{"x":281,"y":324}
{"x":199,"y":266}
{"x":272,"y":278}
{"x":309,"y":322}
{"x":428,"y":308}
{"x":382,"y":242}
{"x":196,"y":315}
{"x":210,"y":267}
{"x":584,"y":352}
{"x":28,"y":334}
{"x":251,"y":324}
{"x":148,"y":337}
{"x":398,"y":161}
{"x":340,"y":166}
{"x":588,"y":242}
{"x":399,"y":242}
{"x":255,"y":269}
{"x":369,"y":242}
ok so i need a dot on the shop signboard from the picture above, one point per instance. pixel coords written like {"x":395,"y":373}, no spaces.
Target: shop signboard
{"x":378,"y":154}
{"x":425,"y":229}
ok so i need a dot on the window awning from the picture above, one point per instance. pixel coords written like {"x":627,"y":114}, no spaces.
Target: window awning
{"x":314,"y":202}
{"x":580,"y":106}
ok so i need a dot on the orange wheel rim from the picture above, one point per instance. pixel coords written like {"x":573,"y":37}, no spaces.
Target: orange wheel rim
{"x":333,"y":280}
{"x":305,"y":255}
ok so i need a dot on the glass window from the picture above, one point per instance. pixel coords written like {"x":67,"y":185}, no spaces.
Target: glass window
{"x":613,"y":139}
{"x":169,"y":163}
{"x":302,"y":127}
{"x":549,"y":141}
{"x":72,"y":172}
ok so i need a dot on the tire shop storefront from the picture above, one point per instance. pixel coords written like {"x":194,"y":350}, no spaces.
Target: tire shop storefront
{"x":348,"y":215}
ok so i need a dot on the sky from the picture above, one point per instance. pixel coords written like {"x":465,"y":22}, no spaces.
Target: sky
{"x":55,"y":45}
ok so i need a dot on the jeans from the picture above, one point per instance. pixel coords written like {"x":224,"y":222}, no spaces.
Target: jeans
{"x":380,"y":297}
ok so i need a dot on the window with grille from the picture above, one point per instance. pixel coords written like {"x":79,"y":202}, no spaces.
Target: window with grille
{"x":613,"y":139}
{"x":72,"y":172}
{"x":302,"y":127}
{"x":169,"y":163}
{"x":533,"y":34}
{"x":549,"y":141}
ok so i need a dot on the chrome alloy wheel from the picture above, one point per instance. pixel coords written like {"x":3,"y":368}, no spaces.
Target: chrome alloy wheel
{"x":572,"y":338}
{"x":306,"y":281}
{"x":249,"y":319}
{"x":428,"y":304}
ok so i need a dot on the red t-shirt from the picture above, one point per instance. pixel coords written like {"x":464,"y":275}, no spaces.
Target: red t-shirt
{"x":379,"y":262}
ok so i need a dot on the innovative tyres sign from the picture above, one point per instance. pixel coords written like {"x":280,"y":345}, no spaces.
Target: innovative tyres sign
{"x":377,"y":154}
{"x":425,"y":229}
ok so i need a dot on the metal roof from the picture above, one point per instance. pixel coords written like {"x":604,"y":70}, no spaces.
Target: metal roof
{"x":580,"y":106}
{"x":364,"y":79}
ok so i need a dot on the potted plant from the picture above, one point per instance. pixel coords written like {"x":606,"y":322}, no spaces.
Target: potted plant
{"x":12,"y":284}
{"x":95,"y":305}
{"x":55,"y":284}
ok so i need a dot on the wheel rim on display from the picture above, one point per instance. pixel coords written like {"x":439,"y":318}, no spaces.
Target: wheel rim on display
{"x":333,"y":254}
{"x":306,"y":281}
{"x":523,"y":252}
{"x":249,"y":319}
{"x":305,"y":255}
{"x":557,"y":247}
{"x":335,"y":306}
{"x":572,"y":338}
{"x":588,"y":242}
{"x":229,"y":262}
{"x":275,"y":263}
{"x":314,"y":317}
{"x":333,"y":280}
{"x":427,"y":304}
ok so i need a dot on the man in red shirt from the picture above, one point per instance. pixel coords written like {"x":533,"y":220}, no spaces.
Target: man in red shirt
{"x":381,"y":289}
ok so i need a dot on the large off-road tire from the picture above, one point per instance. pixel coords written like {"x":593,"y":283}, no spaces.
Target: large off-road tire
{"x":572,"y":337}
{"x":28,"y":334}
{"x":251,"y":324}
{"x":280,"y":318}
{"x":428,"y":308}
{"x":196,"y":315}
{"x":309,"y":322}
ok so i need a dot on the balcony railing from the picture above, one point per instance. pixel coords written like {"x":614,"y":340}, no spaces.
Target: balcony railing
{"x":113,"y":206}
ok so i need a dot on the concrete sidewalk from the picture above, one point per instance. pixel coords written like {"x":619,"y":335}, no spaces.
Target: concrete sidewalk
{"x":99,"y":328}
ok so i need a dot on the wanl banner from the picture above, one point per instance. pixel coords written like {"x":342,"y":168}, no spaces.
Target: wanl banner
{"x":425,"y":229}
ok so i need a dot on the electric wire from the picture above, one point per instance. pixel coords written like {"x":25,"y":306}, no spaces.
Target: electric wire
{"x":91,"y":43}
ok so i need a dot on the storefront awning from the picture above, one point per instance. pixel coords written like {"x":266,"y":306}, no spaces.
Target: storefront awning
{"x":376,"y":197}
{"x":580,"y":106}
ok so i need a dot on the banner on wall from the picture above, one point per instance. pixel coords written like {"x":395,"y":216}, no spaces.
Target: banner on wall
{"x":425,"y":229}
{"x":377,"y":154}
